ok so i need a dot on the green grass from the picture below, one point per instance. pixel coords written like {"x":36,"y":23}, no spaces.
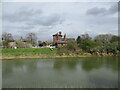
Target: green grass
{"x":28,"y":51}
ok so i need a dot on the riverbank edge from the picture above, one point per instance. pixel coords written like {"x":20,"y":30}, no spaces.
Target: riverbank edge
{"x":56,"y":56}
{"x":32,"y":57}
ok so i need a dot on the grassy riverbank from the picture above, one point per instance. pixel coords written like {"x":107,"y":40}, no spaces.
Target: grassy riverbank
{"x":9,"y":53}
{"x":55,"y":56}
{"x":28,"y":51}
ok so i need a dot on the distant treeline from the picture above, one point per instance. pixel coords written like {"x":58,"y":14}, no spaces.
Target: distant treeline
{"x":104,"y":44}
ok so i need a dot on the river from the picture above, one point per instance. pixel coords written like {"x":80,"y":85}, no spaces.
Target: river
{"x":85,"y":72}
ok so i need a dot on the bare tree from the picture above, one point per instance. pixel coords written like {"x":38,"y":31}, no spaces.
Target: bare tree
{"x":7,"y":37}
{"x":86,"y":36}
{"x":104,"y":37}
{"x":32,"y":38}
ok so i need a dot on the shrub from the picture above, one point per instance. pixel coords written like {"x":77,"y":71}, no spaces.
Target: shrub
{"x":71,"y":48}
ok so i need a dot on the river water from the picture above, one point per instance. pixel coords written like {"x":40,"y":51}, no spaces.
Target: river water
{"x":86,"y":72}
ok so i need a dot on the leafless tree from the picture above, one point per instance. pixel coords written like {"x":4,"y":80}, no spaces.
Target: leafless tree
{"x":7,"y":37}
{"x":32,"y":38}
{"x":104,"y":37}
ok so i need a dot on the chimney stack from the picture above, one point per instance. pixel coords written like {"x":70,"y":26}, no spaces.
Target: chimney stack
{"x":65,"y":37}
{"x":60,"y":33}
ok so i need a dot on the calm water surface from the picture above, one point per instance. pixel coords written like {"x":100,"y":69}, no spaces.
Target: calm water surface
{"x":90,"y":72}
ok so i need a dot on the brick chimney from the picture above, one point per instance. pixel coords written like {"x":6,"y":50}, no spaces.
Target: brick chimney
{"x":60,"y":33}
{"x":65,"y":37}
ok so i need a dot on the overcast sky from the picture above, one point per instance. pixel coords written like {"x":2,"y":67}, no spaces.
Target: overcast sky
{"x":73,"y":19}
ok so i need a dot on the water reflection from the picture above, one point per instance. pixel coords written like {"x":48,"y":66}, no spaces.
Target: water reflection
{"x":87,"y":64}
{"x":96,"y":63}
{"x":62,"y":72}
{"x":60,"y":63}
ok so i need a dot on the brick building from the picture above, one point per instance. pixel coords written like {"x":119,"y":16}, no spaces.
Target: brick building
{"x":58,"y":41}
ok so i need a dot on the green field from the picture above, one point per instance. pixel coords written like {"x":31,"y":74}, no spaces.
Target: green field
{"x":28,"y":51}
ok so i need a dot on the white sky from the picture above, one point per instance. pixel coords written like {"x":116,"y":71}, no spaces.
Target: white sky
{"x":59,"y":0}
{"x":72,"y":18}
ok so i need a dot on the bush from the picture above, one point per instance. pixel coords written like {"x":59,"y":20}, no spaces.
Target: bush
{"x":71,"y":48}
{"x":87,"y":45}
{"x":21,"y":44}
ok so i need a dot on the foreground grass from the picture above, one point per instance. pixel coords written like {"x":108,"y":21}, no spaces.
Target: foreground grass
{"x":28,"y":51}
{"x":9,"y":53}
